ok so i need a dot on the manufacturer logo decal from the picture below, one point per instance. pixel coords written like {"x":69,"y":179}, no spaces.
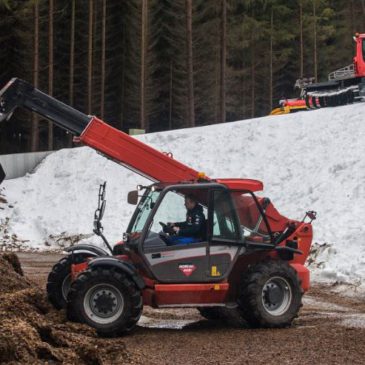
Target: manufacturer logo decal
{"x":187,"y":269}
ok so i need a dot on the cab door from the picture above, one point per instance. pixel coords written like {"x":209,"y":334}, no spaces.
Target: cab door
{"x":225,"y":240}
{"x":170,"y":262}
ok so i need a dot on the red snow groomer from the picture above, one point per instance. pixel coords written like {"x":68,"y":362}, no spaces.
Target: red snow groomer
{"x":248,"y":259}
{"x":344,"y":86}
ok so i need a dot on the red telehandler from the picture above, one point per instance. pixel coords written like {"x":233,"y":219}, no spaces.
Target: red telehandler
{"x":344,"y":86}
{"x":249,"y":260}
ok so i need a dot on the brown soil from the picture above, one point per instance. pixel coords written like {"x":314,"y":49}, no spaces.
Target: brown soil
{"x":13,"y":260}
{"x":329,"y":330}
{"x":32,"y":332}
{"x":11,"y":274}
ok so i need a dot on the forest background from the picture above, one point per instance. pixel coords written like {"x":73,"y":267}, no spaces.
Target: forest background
{"x":165,"y":64}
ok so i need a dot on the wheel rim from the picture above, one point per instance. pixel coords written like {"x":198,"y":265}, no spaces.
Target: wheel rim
{"x":276,"y":296}
{"x":66,"y":285}
{"x":103,"y":303}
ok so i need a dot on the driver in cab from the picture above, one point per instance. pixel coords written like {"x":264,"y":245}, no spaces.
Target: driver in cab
{"x":193,"y":228}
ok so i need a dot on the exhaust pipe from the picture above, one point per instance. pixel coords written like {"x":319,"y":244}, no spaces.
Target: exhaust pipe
{"x":2,"y":174}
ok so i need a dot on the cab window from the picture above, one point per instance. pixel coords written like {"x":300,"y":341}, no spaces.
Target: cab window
{"x":224,"y":218}
{"x":171,"y":210}
{"x":144,"y":208}
{"x":253,"y":226}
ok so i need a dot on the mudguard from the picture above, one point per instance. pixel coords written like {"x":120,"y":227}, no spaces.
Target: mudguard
{"x":303,"y":275}
{"x":126,"y":267}
{"x":85,"y":248}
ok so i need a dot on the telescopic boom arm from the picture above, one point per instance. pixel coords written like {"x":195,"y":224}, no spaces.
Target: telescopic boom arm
{"x":95,"y":133}
{"x":19,"y":93}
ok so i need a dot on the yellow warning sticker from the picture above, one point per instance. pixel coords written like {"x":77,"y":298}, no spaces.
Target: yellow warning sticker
{"x":214,"y":271}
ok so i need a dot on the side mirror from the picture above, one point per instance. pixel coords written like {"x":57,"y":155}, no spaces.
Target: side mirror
{"x":133,"y":197}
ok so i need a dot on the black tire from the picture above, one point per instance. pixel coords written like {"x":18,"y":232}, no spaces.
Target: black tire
{"x":211,"y":313}
{"x":59,"y":280}
{"x":271,"y":295}
{"x":106,"y":300}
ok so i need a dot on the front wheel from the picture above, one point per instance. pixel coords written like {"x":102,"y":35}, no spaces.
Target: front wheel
{"x":59,"y":280}
{"x":106,"y":300}
{"x":271,"y":295}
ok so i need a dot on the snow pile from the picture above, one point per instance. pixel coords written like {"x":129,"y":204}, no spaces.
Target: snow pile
{"x":54,"y":206}
{"x":307,"y":161}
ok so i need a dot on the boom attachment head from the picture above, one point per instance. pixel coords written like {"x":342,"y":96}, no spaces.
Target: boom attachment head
{"x":10,"y":98}
{"x":19,"y":93}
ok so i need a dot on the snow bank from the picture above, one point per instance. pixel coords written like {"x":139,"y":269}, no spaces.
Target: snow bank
{"x":308,"y":160}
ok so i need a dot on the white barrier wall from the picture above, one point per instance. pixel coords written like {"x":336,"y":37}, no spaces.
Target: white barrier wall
{"x":19,"y":164}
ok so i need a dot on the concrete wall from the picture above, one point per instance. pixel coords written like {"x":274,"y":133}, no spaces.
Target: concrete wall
{"x":19,"y":164}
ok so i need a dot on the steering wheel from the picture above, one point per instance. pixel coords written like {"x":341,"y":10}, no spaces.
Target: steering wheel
{"x":167,"y":228}
{"x":163,"y":225}
{"x":166,"y":232}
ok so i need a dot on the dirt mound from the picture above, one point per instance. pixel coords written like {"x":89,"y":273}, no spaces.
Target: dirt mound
{"x":11,"y":274}
{"x":32,"y":332}
{"x":13,"y":260}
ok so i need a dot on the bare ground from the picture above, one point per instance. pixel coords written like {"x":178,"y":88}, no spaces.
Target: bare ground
{"x":329,"y":330}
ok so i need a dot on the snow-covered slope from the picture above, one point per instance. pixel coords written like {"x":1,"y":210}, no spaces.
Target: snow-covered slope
{"x":309,"y":160}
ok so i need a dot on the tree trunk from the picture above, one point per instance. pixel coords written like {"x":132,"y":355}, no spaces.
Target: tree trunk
{"x":352,"y":17}
{"x":35,"y":119}
{"x":217,"y":89}
{"x":244,"y":96}
{"x":170,"y":96}
{"x":143,"y":62}
{"x":102,"y":92}
{"x":90,"y":58}
{"x":301,"y":57}
{"x":315,"y":42}
{"x":189,"y":60}
{"x":50,"y":69}
{"x":253,"y":78}
{"x":222,"y":111}
{"x":72,"y":63}
{"x":271,"y":58}
{"x":122,"y":93}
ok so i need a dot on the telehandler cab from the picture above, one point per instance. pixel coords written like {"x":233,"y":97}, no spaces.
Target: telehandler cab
{"x":250,"y":259}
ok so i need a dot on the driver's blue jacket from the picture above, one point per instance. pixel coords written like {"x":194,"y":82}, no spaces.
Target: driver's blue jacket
{"x":194,"y":226}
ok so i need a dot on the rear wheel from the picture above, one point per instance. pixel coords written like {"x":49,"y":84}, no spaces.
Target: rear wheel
{"x":59,"y":280}
{"x":105,"y":299}
{"x":271,"y":295}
